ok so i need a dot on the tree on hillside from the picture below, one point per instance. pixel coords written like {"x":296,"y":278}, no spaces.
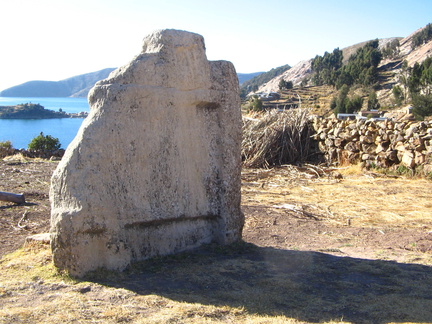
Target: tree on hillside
{"x":417,"y":79}
{"x":354,"y":104}
{"x":422,"y":37}
{"x":414,"y":79}
{"x":342,"y":104}
{"x":392,"y":49}
{"x":285,"y":84}
{"x":417,"y":85}
{"x":243,"y":93}
{"x":426,"y":76}
{"x":326,"y":67}
{"x":420,"y":84}
{"x":373,"y":103}
{"x":422,"y":105}
{"x":289,"y":85}
{"x":403,"y":79}
{"x":398,"y":95}
{"x":361,"y":67}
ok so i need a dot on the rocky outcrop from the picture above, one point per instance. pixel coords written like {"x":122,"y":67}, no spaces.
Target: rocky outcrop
{"x":382,"y":144}
{"x":155,"y":168}
{"x":416,"y":55}
{"x":295,"y":74}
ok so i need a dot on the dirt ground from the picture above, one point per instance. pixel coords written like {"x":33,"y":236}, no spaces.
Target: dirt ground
{"x":344,"y":212}
{"x":321,"y":245}
{"x":19,"y":221}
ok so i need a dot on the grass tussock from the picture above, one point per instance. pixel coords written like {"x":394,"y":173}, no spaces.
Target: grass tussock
{"x":276,"y":138}
{"x":16,"y":158}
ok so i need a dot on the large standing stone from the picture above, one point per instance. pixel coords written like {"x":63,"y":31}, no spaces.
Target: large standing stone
{"x":155,"y":168}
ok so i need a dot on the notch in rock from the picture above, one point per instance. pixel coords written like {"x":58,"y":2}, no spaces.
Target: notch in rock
{"x":207,"y":105}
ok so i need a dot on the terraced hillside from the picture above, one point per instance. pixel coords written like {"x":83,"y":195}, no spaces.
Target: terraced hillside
{"x":318,"y":98}
{"x":315,"y":97}
{"x":396,"y":51}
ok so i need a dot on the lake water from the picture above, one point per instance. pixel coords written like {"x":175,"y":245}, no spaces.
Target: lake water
{"x":21,"y":131}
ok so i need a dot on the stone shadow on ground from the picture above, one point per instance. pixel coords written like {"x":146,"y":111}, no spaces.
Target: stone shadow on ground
{"x":308,"y":286}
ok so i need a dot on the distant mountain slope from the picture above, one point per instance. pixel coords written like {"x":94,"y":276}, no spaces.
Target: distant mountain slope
{"x":77,"y":86}
{"x":262,"y":78}
{"x":296,"y":74}
{"x":243,"y":77}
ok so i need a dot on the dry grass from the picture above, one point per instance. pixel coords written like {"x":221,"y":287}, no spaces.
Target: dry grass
{"x":16,"y":158}
{"x":31,"y":291}
{"x":263,"y":282}
{"x":360,"y":215}
{"x":358,"y":198}
{"x":276,"y":138}
{"x":240,"y":284}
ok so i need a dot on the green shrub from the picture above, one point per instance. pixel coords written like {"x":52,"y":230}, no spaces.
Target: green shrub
{"x":404,"y":171}
{"x":6,"y":149}
{"x":255,"y":104}
{"x":6,"y":145}
{"x":44,"y":143}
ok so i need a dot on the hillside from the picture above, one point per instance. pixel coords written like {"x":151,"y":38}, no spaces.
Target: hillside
{"x":302,"y":70}
{"x":77,"y":86}
{"x":389,"y":74}
{"x":262,"y":78}
{"x":391,"y":69}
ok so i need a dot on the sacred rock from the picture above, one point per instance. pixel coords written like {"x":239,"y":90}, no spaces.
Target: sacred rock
{"x":155,"y":167}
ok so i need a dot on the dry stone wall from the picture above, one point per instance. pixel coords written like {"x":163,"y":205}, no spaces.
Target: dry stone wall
{"x":385,"y":144}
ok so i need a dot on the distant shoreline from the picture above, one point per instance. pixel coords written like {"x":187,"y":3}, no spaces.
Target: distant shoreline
{"x":35,"y":111}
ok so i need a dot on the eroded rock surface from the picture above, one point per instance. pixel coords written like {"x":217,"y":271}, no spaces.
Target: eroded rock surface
{"x":155,"y":167}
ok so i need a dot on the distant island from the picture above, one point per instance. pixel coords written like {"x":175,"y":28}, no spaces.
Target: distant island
{"x":35,"y":111}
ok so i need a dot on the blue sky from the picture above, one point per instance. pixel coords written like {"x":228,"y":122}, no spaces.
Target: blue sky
{"x":57,"y":39}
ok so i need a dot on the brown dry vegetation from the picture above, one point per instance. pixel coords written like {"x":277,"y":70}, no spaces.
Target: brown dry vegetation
{"x":317,"y":247}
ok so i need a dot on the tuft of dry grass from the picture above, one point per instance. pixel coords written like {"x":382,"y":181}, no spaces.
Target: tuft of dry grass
{"x":276,"y":138}
{"x":16,"y":158}
{"x":351,"y":170}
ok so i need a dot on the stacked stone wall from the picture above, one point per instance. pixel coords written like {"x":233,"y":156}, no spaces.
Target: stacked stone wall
{"x":383,"y":144}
